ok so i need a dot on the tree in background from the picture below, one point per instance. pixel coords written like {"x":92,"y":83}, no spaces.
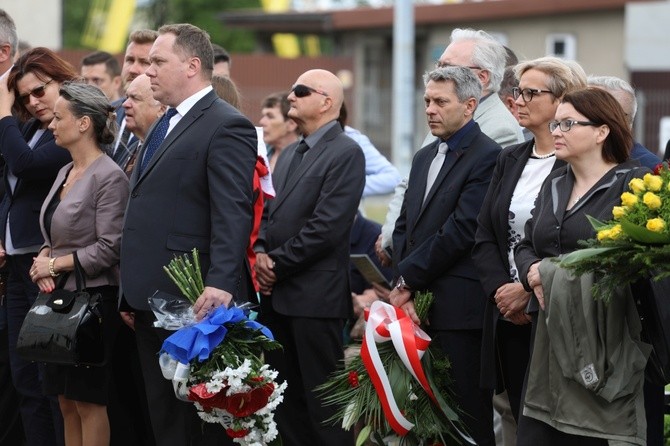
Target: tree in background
{"x":154,"y":13}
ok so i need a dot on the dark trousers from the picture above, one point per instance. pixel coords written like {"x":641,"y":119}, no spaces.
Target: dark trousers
{"x":513,"y":348}
{"x":312,"y":350}
{"x":463,"y":348}
{"x":42,"y":421}
{"x":11,"y":431}
{"x":174,"y":422}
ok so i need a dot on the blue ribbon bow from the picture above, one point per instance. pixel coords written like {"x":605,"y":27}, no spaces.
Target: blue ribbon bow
{"x":200,"y":339}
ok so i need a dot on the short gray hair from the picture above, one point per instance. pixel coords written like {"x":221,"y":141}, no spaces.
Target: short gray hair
{"x":614,"y":84}
{"x":466,"y":84}
{"x":487,"y":53}
{"x":8,"y":32}
{"x":88,"y":100}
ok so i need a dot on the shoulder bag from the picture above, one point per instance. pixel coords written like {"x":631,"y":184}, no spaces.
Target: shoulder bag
{"x":64,"y":327}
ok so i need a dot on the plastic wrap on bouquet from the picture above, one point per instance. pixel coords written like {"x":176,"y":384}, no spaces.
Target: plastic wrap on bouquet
{"x":172,"y":312}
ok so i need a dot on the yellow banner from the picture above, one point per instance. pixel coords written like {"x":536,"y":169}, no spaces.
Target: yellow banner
{"x":108,"y":25}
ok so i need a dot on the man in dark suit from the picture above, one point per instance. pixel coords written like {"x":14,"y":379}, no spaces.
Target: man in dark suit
{"x":435,"y":232}
{"x":303,"y":257}
{"x":192,"y":190}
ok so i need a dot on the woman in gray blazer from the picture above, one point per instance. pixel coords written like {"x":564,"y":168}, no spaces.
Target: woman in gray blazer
{"x":82,"y":216}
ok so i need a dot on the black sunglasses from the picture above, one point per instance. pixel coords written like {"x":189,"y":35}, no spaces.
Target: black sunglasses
{"x":37,"y":92}
{"x":300,"y":91}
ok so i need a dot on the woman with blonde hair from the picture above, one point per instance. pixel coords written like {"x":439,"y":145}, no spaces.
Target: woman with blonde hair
{"x":516,"y":181}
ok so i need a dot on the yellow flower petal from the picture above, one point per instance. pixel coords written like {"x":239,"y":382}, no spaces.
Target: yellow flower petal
{"x":628,"y":199}
{"x":656,"y":224}
{"x":618,"y":212}
{"x":637,"y":185}
{"x":652,"y":200}
{"x":653,"y":182}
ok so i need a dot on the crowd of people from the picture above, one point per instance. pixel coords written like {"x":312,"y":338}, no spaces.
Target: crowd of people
{"x":114,"y":169}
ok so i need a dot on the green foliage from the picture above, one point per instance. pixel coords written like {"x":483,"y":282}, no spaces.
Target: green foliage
{"x":75,"y":14}
{"x":635,"y":244}
{"x":202,"y":13}
{"x":240,"y":343}
{"x":205,"y":14}
{"x":353,"y":393}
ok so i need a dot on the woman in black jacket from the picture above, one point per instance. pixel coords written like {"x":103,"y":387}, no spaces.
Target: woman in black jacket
{"x":516,"y":180}
{"x":591,"y":135}
{"x":32,"y":161}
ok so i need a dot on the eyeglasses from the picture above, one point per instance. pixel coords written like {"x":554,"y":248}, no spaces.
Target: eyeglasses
{"x":301,"y":91}
{"x":37,"y":92}
{"x":527,"y":93}
{"x":566,"y":124}
{"x":439,"y":64}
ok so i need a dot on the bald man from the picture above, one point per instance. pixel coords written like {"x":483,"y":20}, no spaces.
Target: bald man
{"x":303,"y":256}
{"x":142,"y":110}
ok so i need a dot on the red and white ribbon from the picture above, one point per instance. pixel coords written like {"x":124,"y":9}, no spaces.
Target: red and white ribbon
{"x":388,"y":323}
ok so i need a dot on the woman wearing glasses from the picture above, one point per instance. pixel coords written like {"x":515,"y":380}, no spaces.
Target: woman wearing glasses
{"x":516,"y":180}
{"x":32,"y":161}
{"x":589,"y":407}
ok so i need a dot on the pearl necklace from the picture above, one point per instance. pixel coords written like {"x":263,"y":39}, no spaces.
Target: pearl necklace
{"x":542,"y":157}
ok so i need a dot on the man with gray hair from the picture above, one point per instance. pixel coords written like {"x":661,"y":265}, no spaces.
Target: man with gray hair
{"x":485,"y":56}
{"x":435,"y":233}
{"x":624,"y":93}
{"x":9,"y":41}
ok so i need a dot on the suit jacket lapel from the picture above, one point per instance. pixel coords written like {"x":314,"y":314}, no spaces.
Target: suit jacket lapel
{"x":309,"y":158}
{"x":193,"y":114}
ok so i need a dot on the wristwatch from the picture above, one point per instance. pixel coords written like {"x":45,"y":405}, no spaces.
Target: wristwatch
{"x":401,"y":285}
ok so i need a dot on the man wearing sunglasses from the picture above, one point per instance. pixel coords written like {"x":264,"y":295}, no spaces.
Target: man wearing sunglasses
{"x":303,"y":257}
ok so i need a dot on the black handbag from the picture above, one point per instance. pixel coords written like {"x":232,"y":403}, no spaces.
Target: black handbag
{"x":64,"y":327}
{"x":652,"y":299}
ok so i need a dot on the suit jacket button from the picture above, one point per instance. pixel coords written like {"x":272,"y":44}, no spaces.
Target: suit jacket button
{"x":134,"y":195}
{"x":411,"y":243}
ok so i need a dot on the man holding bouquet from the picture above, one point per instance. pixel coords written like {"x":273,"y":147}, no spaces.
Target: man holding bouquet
{"x":303,"y":257}
{"x":191,"y":188}
{"x":435,"y":233}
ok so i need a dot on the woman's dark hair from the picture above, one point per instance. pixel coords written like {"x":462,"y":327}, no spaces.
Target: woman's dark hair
{"x":88,"y":100}
{"x":45,"y":65}
{"x":601,"y":108}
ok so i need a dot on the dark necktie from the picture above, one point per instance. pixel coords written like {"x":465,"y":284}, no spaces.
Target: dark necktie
{"x":157,"y":137}
{"x":297,"y":158}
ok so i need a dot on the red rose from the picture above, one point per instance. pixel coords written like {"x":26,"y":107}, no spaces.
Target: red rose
{"x":237,"y":434}
{"x":658,"y":168}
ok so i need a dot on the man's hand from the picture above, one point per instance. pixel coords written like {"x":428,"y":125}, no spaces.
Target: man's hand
{"x":128,"y":318}
{"x":511,"y":298}
{"x":265,"y":272}
{"x":363,"y":301}
{"x":209,"y":299}
{"x":381,"y":252}
{"x":383,"y":293}
{"x":398,"y":298}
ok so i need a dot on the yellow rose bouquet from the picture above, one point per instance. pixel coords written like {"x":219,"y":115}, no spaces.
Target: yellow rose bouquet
{"x":635,"y":244}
